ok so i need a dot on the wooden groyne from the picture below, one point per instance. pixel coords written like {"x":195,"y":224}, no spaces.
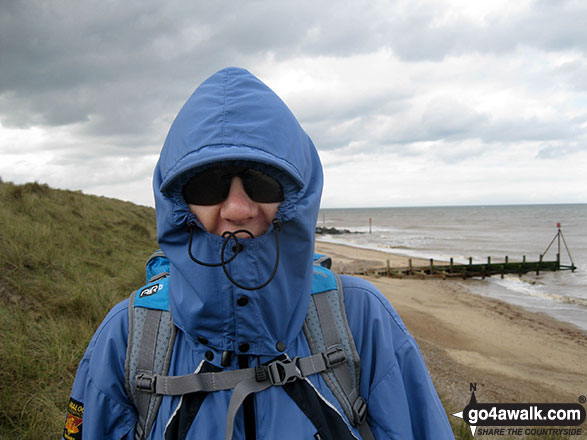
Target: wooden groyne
{"x":477,"y":270}
{"x":470,"y":270}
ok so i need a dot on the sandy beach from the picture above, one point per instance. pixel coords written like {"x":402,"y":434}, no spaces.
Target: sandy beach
{"x":513,"y":355}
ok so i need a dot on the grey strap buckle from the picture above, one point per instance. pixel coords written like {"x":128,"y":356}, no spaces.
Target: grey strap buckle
{"x":282,"y":372}
{"x":145,"y":382}
{"x":359,"y":410}
{"x":334,"y":356}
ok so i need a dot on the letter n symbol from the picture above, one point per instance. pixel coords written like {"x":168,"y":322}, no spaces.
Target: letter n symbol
{"x":472,"y":386}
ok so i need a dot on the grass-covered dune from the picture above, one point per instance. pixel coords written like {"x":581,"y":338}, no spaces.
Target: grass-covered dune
{"x":65,"y":259}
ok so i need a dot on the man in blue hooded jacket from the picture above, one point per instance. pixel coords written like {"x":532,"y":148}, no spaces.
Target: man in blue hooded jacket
{"x":237,"y":168}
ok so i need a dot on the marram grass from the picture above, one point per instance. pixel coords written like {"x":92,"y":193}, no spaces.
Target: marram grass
{"x":65,"y":259}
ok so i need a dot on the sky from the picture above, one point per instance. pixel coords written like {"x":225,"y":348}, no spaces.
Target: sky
{"x":409,"y":103}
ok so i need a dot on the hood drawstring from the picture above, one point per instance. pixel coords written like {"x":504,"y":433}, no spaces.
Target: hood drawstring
{"x":228,"y":236}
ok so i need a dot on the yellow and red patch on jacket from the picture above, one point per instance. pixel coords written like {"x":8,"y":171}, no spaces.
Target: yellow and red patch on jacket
{"x":73,"y":421}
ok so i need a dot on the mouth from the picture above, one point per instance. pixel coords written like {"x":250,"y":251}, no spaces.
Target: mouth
{"x":244,"y":235}
{"x":240,"y":233}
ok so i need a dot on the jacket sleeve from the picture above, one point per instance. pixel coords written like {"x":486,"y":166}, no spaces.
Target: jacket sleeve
{"x":99,"y":407}
{"x":402,"y":401}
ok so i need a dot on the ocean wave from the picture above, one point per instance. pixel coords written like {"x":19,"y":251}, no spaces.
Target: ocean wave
{"x":534,"y":288}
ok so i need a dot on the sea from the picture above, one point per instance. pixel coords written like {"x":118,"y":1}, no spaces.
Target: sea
{"x":460,"y":232}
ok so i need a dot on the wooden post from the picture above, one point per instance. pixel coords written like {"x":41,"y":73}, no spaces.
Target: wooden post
{"x":488,"y":261}
{"x":369,"y":225}
{"x":410,"y":265}
{"x":506,"y":259}
{"x":388,"y":269}
{"x":502,"y":266}
{"x":558,"y":261}
{"x":450,"y":270}
{"x":431,"y":266}
{"x":539,"y":263}
{"x":465,"y":269}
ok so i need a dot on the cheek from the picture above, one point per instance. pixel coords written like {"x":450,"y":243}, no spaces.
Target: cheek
{"x":207,"y":215}
{"x":269,"y":210}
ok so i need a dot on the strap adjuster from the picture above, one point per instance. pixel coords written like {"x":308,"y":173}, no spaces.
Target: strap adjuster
{"x":261,"y":373}
{"x":359,"y":410}
{"x":280,"y":372}
{"x":145,"y":382}
{"x":334,"y":356}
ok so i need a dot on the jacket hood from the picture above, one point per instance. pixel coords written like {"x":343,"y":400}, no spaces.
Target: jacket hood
{"x":233,"y":117}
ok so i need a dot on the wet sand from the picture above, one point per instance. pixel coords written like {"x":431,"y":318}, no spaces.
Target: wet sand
{"x":513,"y":355}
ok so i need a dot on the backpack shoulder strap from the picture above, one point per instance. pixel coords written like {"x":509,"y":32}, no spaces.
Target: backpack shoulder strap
{"x":151,"y":335}
{"x":325,"y":327}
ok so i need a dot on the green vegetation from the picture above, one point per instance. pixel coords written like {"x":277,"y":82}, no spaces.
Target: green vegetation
{"x":65,"y":259}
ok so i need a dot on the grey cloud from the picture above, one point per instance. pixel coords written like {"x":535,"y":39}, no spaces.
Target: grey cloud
{"x":574,"y":73}
{"x":559,"y":150}
{"x":443,"y":118}
{"x":557,"y":25}
{"x":447,"y":118}
{"x":519,"y":129}
{"x":417,"y":34}
{"x":117,"y":73}
{"x":461,"y":131}
{"x":67,"y":62}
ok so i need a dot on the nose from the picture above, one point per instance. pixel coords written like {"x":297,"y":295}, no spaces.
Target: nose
{"x":238,"y":206}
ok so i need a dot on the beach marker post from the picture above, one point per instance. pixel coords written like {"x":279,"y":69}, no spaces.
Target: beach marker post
{"x":558,"y":236}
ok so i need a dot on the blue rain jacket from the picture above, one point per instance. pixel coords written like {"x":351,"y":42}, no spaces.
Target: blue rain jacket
{"x":234,"y":117}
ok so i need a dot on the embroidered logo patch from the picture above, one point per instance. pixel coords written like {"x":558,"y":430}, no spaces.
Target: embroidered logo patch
{"x":73,"y":422}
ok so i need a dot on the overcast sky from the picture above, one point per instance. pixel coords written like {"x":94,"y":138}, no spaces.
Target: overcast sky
{"x":409,"y":103}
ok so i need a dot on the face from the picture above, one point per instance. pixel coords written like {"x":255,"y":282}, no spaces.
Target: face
{"x":237,"y":211}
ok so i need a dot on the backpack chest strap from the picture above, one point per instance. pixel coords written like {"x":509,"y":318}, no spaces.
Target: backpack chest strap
{"x":277,"y":372}
{"x":244,"y":381}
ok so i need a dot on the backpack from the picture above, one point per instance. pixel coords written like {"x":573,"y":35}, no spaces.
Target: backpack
{"x":151,"y":338}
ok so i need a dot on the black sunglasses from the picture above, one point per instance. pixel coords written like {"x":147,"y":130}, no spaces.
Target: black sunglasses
{"x":212,"y":186}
